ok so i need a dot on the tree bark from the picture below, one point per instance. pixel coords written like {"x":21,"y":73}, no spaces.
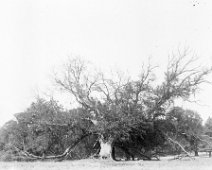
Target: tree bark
{"x":196,"y":153}
{"x":113,"y":154}
{"x":106,"y":149}
{"x":196,"y":148}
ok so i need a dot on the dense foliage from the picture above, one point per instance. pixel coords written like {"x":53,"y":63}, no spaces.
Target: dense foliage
{"x":135,"y":117}
{"x":45,"y":129}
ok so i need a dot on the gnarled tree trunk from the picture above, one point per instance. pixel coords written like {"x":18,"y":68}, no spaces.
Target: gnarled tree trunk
{"x":106,"y":149}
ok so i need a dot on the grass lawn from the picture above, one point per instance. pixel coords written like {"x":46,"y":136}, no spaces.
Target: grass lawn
{"x":166,"y":163}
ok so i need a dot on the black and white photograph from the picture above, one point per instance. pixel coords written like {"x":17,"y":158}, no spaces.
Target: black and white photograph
{"x":105,"y":84}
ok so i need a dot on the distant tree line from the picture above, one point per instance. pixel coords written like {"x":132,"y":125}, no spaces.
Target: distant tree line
{"x":120,"y":118}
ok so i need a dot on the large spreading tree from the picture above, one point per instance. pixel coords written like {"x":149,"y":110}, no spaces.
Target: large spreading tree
{"x":185,"y":126}
{"x":125,"y":113}
{"x":116,"y":116}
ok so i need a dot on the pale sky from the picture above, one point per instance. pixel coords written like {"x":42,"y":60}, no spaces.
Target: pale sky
{"x":38,"y":35}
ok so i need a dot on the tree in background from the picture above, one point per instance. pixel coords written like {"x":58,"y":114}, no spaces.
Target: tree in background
{"x":10,"y":137}
{"x":41,"y":121}
{"x":185,"y":125}
{"x":208,"y":127}
{"x":46,"y":129}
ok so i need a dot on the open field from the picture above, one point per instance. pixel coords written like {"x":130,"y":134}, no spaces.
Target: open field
{"x":202,"y":163}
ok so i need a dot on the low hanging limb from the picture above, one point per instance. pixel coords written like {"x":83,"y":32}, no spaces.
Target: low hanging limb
{"x":63,"y":155}
{"x":176,"y":142}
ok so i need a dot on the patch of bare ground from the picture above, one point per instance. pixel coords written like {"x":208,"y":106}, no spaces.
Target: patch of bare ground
{"x":166,"y":163}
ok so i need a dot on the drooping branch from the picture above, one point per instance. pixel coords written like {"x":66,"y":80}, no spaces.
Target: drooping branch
{"x":178,"y":144}
{"x":61,"y":156}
